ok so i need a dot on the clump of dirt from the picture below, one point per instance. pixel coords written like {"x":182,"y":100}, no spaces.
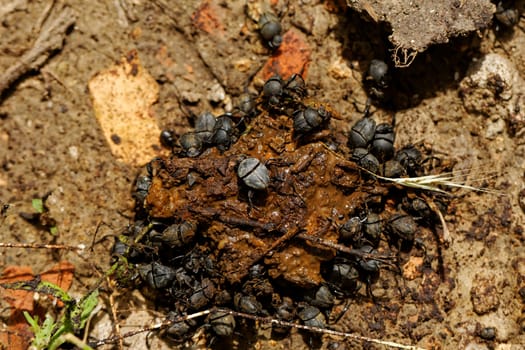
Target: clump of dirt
{"x":417,"y":26}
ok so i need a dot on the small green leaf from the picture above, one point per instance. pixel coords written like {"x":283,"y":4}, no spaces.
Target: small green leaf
{"x":53,"y":230}
{"x":83,"y":310}
{"x":33,"y":322}
{"x":38,"y":205}
{"x":42,"y":333}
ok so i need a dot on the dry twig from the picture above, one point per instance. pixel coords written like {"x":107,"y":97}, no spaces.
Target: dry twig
{"x":51,"y":38}
{"x":260,"y":319}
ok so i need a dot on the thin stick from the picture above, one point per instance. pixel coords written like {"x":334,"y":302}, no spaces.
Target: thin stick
{"x":42,"y":246}
{"x":152,"y":328}
{"x":51,"y":38}
{"x":339,"y":247}
{"x":261,"y":320}
{"x":116,"y":324}
{"x":319,"y":330}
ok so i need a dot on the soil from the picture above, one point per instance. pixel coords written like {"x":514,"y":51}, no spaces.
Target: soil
{"x":463,"y":100}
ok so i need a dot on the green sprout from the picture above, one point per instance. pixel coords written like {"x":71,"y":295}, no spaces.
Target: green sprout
{"x":52,"y":333}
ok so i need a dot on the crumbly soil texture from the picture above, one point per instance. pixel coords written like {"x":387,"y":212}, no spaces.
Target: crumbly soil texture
{"x":459,"y":100}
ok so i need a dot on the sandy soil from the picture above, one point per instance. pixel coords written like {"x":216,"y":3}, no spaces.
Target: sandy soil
{"x":462,"y":99}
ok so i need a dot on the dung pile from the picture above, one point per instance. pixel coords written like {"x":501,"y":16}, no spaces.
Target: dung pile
{"x":272,"y":211}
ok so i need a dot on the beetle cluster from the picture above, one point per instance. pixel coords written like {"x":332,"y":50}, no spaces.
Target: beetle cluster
{"x":217,"y":223}
{"x":373,"y":149}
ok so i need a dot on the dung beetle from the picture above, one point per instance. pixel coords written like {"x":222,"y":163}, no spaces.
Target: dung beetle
{"x":368,"y":267}
{"x":270,"y":29}
{"x":342,"y":277}
{"x":320,"y":297}
{"x":368,"y":264}
{"x":402,"y":226}
{"x":383,"y":142}
{"x":253,"y":173}
{"x":351,"y":229}
{"x":142,"y":188}
{"x":417,"y":207}
{"x":312,"y":317}
{"x":273,"y":90}
{"x":366,"y":160}
{"x":177,"y":235}
{"x":509,"y":17}
{"x":204,"y":126}
{"x":247,"y":105}
{"x":191,"y":143}
{"x":362,"y":133}
{"x":120,"y":247}
{"x":295,"y":87}
{"x":157,"y":276}
{"x":167,"y":139}
{"x":308,"y":119}
{"x":179,"y":331}
{"x":203,"y":293}
{"x":392,"y":168}
{"x":222,"y":323}
{"x":247,"y":303}
{"x":410,"y":158}
{"x":372,"y":228}
{"x":285,"y":311}
{"x":378,"y":72}
{"x":223,"y":132}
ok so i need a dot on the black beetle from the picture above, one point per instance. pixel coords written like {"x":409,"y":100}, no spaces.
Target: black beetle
{"x":351,"y":229}
{"x":320,"y":297}
{"x":378,"y":72}
{"x":509,"y":17}
{"x":392,"y":168}
{"x":362,"y":133}
{"x":295,"y":87}
{"x":308,"y":119}
{"x":204,"y":126}
{"x":167,"y":139}
{"x":254,"y":173}
{"x":157,"y":276}
{"x":177,"y":235}
{"x":410,"y":158}
{"x":342,"y":277}
{"x":222,"y":323}
{"x":273,"y":90}
{"x":247,"y":303}
{"x":203,"y":293}
{"x":191,"y":143}
{"x":142,"y":188}
{"x":402,"y":226}
{"x":179,"y":331}
{"x":373,"y":228}
{"x":366,"y":160}
{"x":270,"y":29}
{"x":247,"y":105}
{"x":312,"y":317}
{"x":223,"y":133}
{"x":383,"y":142}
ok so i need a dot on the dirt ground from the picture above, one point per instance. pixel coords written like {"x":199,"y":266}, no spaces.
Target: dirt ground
{"x":462,"y":99}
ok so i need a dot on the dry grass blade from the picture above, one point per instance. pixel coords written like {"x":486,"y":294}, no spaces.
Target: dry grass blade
{"x":433,"y":182}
